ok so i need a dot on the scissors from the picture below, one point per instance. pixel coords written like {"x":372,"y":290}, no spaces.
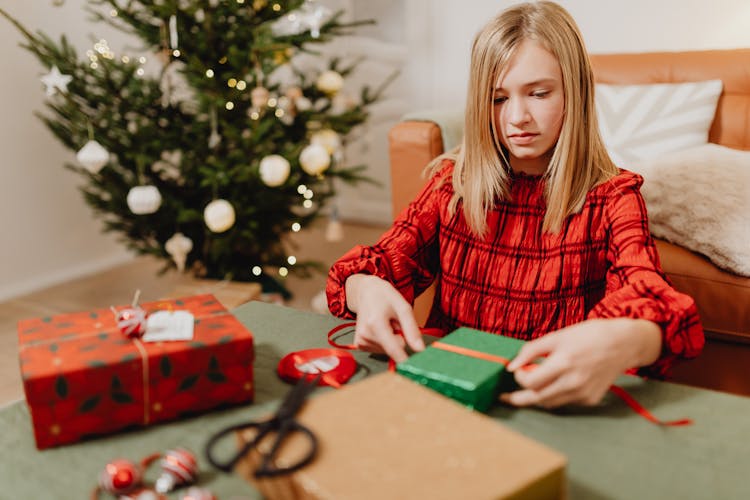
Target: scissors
{"x":282,"y":423}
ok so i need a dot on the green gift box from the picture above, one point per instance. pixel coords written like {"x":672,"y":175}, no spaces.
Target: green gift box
{"x":453,"y":366}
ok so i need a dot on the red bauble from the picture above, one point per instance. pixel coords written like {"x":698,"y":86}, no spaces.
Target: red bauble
{"x":120,"y":476}
{"x":179,"y":467}
{"x":131,"y":321}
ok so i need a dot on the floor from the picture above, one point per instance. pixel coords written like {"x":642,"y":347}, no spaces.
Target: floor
{"x":117,"y":285}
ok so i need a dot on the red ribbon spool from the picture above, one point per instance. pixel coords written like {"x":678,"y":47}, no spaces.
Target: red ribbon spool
{"x":335,"y":366}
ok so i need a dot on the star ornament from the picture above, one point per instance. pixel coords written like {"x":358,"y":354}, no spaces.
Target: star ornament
{"x":56,"y":81}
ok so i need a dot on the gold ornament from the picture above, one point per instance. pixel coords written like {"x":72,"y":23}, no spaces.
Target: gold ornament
{"x":314,"y":159}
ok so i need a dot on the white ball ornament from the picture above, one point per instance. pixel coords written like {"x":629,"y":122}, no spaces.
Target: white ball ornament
{"x":144,"y":200}
{"x":93,"y":156}
{"x":314,"y":159}
{"x":219,"y":215}
{"x":274,"y":170}
{"x":329,"y":82}
{"x":328,"y":139}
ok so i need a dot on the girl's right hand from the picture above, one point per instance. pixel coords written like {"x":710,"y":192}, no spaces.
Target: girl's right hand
{"x":379,"y":306}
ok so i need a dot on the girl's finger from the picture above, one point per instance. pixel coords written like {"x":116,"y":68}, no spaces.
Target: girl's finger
{"x":532,"y":350}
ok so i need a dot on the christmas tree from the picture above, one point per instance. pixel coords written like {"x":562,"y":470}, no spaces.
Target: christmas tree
{"x":212,"y":161}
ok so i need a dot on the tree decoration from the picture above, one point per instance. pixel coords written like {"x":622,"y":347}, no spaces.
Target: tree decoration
{"x":314,"y":159}
{"x":230,"y":92}
{"x":327,"y":138}
{"x":54,"y":81}
{"x":144,"y":200}
{"x":274,"y":170}
{"x":92,"y":156}
{"x":178,"y":247}
{"x":330,"y":82}
{"x":219,"y":215}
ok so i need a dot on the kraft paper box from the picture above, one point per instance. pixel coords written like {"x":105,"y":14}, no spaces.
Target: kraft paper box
{"x":388,"y":437}
{"x":469,"y":380}
{"x":83,"y":377}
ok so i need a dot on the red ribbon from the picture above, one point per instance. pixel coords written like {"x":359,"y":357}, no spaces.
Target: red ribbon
{"x":289,"y":366}
{"x":464,"y":351}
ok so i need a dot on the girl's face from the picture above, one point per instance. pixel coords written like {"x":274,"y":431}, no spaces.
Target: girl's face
{"x":529,"y":107}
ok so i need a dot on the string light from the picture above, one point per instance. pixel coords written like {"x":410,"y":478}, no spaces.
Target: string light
{"x":279,"y":113}
{"x":307,"y":204}
{"x":292,"y":260}
{"x":272,"y":102}
{"x":176,"y":52}
{"x":142,"y":60}
{"x":229,"y":105}
{"x":232,"y":83}
{"x":276,"y":7}
{"x":125,"y":59}
{"x":257,"y":270}
{"x":241,"y":85}
{"x":138,"y":72}
{"x":210,"y":73}
{"x":301,"y":189}
{"x":296,"y":227}
{"x":113,"y":13}
{"x":283,"y":271}
{"x":308,"y":194}
{"x":254,"y":115}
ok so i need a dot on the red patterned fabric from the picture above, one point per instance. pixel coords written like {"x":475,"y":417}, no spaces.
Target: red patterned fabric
{"x":520,"y":282}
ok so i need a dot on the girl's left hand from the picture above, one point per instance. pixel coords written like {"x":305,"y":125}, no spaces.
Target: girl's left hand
{"x":582,"y":361}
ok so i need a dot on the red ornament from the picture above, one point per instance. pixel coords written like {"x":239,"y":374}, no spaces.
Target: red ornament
{"x":179,"y":467}
{"x":131,"y":321}
{"x":120,"y":476}
{"x":335,"y":366}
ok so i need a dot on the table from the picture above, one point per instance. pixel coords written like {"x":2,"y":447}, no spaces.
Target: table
{"x":612,"y":452}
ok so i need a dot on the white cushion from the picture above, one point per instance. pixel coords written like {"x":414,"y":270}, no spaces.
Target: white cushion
{"x":643,"y":121}
{"x":699,"y":198}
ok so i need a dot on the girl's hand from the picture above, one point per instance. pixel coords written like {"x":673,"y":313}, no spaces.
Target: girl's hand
{"x":582,"y":361}
{"x":379,"y":306}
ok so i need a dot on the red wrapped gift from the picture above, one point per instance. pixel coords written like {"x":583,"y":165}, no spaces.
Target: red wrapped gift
{"x":83,"y":377}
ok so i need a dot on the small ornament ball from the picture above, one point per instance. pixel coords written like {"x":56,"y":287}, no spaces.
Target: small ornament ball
{"x":144,"y":200}
{"x":219,"y":215}
{"x":327,"y":138}
{"x":131,"y":321}
{"x":329,"y":82}
{"x":274,"y":170}
{"x":120,"y":476}
{"x":179,"y":468}
{"x":314,"y":159}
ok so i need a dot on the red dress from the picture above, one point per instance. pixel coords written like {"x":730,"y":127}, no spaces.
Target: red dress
{"x":520,"y":282}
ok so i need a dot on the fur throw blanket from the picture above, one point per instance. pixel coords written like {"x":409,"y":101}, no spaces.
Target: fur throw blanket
{"x":699,"y":198}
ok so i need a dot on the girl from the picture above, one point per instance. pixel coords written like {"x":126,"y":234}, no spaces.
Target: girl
{"x":529,"y":230}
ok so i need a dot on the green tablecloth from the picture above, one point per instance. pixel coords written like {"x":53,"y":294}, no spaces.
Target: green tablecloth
{"x":612,"y":452}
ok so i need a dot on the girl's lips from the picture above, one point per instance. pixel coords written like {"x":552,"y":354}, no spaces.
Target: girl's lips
{"x":522,"y":139}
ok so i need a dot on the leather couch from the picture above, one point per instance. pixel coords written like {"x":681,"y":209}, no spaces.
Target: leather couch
{"x":723,"y":298}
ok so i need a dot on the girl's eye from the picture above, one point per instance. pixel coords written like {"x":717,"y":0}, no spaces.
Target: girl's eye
{"x":499,"y":100}
{"x":541,"y":94}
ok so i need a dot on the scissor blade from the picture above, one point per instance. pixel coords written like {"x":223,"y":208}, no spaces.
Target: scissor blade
{"x":296,"y":397}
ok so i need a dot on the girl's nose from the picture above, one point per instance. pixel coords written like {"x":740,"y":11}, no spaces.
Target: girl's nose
{"x":517,"y":111}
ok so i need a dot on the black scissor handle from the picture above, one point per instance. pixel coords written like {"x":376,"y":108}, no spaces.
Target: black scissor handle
{"x":229,"y":464}
{"x":268,"y":467}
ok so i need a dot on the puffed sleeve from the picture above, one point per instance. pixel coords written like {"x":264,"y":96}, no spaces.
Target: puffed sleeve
{"x":406,"y":255}
{"x":636,"y":286}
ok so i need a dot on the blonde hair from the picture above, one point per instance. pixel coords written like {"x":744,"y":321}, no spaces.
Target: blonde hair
{"x":579,"y":161}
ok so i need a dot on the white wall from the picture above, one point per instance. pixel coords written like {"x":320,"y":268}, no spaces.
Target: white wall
{"x":607,"y":25}
{"x":48,"y":232}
